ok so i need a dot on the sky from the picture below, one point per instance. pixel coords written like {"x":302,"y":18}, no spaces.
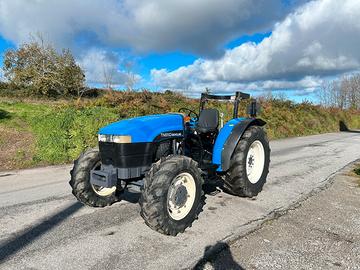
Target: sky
{"x":257,"y":46}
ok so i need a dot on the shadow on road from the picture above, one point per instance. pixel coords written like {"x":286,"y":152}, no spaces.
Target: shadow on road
{"x":130,"y":196}
{"x":218,"y":257}
{"x":22,"y":239}
{"x":343,"y":127}
{"x":132,"y":193}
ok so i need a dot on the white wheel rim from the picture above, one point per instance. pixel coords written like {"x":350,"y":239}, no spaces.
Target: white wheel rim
{"x":102,"y":191}
{"x":255,"y":161}
{"x":181,"y":196}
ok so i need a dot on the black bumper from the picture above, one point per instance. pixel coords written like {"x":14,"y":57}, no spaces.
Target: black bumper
{"x":127,"y":155}
{"x":122,"y":161}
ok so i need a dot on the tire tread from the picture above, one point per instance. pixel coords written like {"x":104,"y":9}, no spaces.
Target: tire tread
{"x":150,"y":201}
{"x":80,"y":183}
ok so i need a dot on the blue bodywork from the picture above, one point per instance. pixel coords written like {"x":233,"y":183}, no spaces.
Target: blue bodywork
{"x":145,"y":128}
{"x":221,"y":139}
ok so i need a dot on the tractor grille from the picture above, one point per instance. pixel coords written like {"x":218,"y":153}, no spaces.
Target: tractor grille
{"x":126,"y":155}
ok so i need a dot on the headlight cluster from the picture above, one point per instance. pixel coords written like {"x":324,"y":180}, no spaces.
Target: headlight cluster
{"x":114,"y":138}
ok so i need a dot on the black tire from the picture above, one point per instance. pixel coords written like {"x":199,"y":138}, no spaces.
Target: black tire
{"x":154,"y":197}
{"x":236,"y":180}
{"x":80,"y":181}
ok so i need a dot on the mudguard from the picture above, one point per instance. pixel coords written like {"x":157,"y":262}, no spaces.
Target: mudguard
{"x":146,"y":129}
{"x":228,"y":138}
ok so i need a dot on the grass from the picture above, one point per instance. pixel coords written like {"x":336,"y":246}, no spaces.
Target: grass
{"x":43,"y":132}
{"x":61,"y":132}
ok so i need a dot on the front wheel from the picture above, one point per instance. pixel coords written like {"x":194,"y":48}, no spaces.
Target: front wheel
{"x":249,"y":165}
{"x":172,"y":196}
{"x":83,"y":190}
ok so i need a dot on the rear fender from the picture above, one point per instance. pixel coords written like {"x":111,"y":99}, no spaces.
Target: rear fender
{"x":228,"y":139}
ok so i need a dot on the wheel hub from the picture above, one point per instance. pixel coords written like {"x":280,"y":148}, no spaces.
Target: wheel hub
{"x":251,"y":161}
{"x":180,"y":196}
{"x":255,"y":161}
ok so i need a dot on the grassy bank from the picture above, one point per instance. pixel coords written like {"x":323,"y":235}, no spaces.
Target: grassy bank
{"x":44,"y":132}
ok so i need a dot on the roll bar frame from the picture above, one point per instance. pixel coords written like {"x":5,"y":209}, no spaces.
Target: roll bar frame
{"x":236,"y":98}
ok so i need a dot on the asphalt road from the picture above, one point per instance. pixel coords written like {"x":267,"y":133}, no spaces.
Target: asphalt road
{"x":324,"y":233}
{"x":44,"y":227}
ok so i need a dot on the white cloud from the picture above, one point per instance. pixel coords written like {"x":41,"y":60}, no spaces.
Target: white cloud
{"x":306,"y":85}
{"x":103,"y":67}
{"x":321,"y":38}
{"x":201,"y":26}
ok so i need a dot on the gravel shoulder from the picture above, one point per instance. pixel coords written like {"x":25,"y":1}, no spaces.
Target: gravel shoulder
{"x":321,"y":233}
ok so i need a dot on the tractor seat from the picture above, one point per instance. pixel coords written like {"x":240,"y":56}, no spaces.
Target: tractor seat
{"x":208,"y":121}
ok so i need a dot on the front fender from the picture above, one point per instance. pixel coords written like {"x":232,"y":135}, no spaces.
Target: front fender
{"x":228,"y":139}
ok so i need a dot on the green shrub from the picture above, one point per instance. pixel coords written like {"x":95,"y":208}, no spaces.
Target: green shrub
{"x":62,"y":135}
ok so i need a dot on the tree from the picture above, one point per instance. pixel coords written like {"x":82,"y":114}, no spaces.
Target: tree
{"x":2,"y":77}
{"x":342,"y":93}
{"x":41,"y":69}
{"x":108,"y":75}
{"x":130,"y":75}
{"x":351,"y":87}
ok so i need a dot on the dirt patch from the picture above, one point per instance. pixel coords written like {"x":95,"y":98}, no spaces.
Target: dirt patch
{"x":16,"y":148}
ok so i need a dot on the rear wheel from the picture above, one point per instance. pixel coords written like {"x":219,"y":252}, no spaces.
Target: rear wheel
{"x":83,"y":190}
{"x":249,"y":165}
{"x":172,"y":196}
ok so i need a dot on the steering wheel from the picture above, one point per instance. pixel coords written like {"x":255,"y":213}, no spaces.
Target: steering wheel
{"x":189,"y":113}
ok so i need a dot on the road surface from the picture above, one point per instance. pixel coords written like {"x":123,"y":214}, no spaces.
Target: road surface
{"x":44,"y":227}
{"x":324,"y":233}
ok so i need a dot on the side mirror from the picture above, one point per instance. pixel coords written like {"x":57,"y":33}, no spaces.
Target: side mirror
{"x":253,"y":108}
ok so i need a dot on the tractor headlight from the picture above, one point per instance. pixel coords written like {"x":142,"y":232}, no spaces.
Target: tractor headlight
{"x":103,"y":138}
{"x":121,"y":139}
{"x":114,"y":138}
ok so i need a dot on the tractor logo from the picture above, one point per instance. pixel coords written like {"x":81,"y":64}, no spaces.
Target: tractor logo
{"x":171,"y":134}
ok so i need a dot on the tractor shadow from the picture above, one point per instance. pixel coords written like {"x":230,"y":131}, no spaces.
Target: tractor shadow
{"x":343,"y":128}
{"x":132,"y":192}
{"x":218,"y":257}
{"x":130,"y":196}
{"x":26,"y":237}
{"x":214,"y":186}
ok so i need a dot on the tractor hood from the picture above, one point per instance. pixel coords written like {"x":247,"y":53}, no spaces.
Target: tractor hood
{"x":146,"y":128}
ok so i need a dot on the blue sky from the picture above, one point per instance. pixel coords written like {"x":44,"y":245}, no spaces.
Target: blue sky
{"x":4,"y":45}
{"x":279,"y":46}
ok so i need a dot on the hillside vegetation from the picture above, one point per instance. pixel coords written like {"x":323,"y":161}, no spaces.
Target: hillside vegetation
{"x":34,"y":133}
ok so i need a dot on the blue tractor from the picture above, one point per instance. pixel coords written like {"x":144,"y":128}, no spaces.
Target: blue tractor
{"x":175,"y":155}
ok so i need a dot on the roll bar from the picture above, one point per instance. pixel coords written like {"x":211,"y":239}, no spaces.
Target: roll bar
{"x":236,"y":98}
